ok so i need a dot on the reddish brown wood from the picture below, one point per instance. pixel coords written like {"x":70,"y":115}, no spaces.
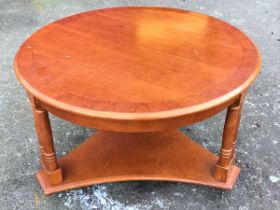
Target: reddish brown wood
{"x":227,"y":153}
{"x":136,"y":64}
{"x":136,"y":70}
{"x":239,"y":102}
{"x":49,"y":163}
{"x":146,"y":125}
{"x":111,"y":156}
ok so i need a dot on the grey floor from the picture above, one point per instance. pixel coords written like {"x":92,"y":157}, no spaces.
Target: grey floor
{"x":258,"y":152}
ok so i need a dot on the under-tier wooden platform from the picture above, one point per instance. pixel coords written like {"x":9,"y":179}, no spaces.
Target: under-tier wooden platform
{"x":110,"y":157}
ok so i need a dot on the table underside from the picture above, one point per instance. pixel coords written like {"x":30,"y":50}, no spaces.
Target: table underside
{"x":111,"y":157}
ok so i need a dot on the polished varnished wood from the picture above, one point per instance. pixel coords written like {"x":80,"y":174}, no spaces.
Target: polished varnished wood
{"x":47,"y":152}
{"x":139,"y":73}
{"x":227,"y":153}
{"x":136,"y":63}
{"x":111,"y":157}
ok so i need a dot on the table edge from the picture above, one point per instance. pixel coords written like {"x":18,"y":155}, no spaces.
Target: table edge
{"x":139,"y":116}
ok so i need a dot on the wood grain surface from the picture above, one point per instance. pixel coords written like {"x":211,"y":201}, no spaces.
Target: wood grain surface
{"x":137,"y":63}
{"x":111,"y":157}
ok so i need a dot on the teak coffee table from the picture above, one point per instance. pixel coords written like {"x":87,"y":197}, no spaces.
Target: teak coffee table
{"x":137,"y":74}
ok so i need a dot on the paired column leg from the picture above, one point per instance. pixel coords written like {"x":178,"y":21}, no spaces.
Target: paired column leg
{"x":47,"y":152}
{"x":227,"y":152}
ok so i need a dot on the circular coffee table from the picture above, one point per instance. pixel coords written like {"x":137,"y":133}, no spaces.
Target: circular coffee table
{"x":137,"y":74}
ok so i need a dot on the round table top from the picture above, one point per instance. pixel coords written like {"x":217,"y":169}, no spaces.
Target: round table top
{"x":137,"y":62}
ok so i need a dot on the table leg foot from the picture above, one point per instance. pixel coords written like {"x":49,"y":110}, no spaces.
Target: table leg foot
{"x":54,"y":177}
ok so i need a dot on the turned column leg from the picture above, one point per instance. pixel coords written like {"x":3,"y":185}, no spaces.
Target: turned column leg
{"x":236,"y":130}
{"x":227,"y":152}
{"x":47,"y":152}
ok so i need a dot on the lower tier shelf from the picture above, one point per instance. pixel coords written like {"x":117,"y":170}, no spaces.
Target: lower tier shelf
{"x":111,"y":157}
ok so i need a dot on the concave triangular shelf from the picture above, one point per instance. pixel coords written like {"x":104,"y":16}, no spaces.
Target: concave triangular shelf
{"x":110,"y":157}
